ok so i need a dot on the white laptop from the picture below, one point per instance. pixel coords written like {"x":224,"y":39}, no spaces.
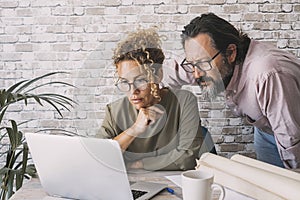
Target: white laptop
{"x":84,"y":168}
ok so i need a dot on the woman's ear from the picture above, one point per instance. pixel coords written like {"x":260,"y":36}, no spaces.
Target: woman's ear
{"x":159,"y":75}
{"x":231,"y":53}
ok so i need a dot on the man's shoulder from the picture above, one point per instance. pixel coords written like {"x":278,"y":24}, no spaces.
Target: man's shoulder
{"x":260,"y":52}
{"x":262,"y":57}
{"x":265,"y":54}
{"x":264,"y":61}
{"x":183,"y":93}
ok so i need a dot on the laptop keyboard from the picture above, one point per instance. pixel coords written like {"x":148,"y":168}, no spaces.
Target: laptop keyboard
{"x":138,"y":193}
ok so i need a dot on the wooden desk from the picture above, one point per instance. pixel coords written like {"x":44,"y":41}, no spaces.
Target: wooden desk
{"x":34,"y":191}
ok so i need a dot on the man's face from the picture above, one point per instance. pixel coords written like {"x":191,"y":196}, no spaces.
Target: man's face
{"x":199,"y":50}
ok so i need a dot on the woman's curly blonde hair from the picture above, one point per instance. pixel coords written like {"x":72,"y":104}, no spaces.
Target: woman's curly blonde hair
{"x":144,"y":47}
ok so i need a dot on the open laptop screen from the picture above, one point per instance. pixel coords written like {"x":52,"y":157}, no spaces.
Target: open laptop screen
{"x":81,"y":168}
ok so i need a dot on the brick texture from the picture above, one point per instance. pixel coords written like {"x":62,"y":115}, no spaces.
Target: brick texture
{"x":76,"y":36}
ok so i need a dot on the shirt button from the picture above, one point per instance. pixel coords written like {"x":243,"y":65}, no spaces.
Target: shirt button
{"x":234,"y":91}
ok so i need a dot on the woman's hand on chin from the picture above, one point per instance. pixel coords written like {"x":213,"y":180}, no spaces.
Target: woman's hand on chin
{"x":135,"y":165}
{"x":147,"y":116}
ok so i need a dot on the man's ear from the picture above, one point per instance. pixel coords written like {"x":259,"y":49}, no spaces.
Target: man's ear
{"x":231,"y":53}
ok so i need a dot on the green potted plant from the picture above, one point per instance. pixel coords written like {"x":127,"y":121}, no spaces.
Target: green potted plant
{"x":15,"y":150}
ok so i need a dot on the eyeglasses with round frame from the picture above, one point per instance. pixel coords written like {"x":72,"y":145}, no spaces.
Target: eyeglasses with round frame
{"x":201,"y":65}
{"x":125,"y":86}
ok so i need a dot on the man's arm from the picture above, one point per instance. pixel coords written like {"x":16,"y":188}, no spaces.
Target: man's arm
{"x":175,"y":76}
{"x":279,"y":99}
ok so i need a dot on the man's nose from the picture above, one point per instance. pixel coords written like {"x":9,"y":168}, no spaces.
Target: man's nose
{"x":198,"y":73}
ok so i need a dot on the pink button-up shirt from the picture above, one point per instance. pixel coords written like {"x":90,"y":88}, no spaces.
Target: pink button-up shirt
{"x":266,"y":90}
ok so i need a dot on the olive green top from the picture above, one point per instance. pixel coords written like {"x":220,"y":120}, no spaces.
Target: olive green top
{"x":171,"y":143}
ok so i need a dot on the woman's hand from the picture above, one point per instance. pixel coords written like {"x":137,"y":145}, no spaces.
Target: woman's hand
{"x":135,"y":165}
{"x":147,"y":116}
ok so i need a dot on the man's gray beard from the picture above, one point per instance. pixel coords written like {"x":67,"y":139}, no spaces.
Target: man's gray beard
{"x":218,"y":86}
{"x":212,"y":92}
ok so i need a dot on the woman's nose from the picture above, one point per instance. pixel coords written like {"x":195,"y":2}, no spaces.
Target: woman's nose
{"x":134,"y":89}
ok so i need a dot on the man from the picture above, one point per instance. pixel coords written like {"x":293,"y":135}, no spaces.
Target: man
{"x":261,"y":83}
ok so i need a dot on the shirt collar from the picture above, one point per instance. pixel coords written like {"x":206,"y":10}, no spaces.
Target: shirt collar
{"x":238,"y":79}
{"x":233,"y":84}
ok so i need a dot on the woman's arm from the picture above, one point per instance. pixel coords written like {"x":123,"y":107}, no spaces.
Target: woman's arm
{"x":189,"y":136}
{"x":146,"y":117}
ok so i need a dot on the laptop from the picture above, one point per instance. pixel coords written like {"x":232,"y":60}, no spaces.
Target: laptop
{"x":84,"y":168}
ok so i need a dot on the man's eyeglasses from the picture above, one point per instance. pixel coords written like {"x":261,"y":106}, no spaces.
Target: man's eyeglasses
{"x":124,"y":86}
{"x":202,"y":65}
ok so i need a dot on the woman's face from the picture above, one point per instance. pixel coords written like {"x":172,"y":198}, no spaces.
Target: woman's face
{"x":139,"y":94}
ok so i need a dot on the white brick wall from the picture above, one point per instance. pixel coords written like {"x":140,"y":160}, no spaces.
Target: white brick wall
{"x":39,"y":36}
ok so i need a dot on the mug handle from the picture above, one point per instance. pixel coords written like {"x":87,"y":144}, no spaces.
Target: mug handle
{"x":221,"y":188}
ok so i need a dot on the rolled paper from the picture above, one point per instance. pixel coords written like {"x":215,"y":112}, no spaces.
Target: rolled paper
{"x":266,"y":166}
{"x":250,"y":180}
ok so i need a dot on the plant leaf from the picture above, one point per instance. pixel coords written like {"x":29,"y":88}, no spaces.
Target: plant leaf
{"x":11,"y":89}
{"x":50,"y":83}
{"x":16,"y":168}
{"x":31,"y":170}
{"x":4,"y":170}
{"x":54,"y":106}
{"x":10,"y":184}
{"x":2,"y":114}
{"x":12,"y":137}
{"x":30,"y":82}
{"x":20,"y":176}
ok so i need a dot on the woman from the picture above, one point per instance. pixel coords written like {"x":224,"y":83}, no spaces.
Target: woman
{"x":157,"y":128}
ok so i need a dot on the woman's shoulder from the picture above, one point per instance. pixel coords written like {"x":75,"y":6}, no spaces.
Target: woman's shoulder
{"x":119,"y":103}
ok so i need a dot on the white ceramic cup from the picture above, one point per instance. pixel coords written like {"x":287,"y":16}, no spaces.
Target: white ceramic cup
{"x":198,"y":185}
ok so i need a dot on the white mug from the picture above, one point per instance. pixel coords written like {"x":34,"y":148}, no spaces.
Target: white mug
{"x":198,"y":185}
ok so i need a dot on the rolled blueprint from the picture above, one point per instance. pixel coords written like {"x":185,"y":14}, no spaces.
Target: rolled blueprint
{"x":250,"y":179}
{"x":268,"y":167}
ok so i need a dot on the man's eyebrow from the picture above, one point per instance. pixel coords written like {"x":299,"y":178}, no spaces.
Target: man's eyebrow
{"x":199,"y":60}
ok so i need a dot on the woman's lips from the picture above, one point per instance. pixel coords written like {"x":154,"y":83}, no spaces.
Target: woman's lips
{"x":136,"y":100}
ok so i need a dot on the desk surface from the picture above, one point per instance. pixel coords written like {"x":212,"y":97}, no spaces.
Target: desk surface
{"x":34,"y":191}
